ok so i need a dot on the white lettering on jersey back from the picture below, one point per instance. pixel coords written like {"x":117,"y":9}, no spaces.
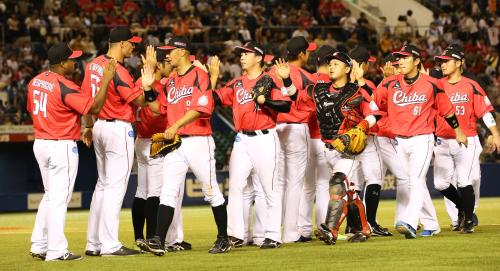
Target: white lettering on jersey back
{"x":456,"y":98}
{"x":96,"y":68}
{"x":401,"y":99}
{"x":175,"y":95}
{"x":43,"y":84}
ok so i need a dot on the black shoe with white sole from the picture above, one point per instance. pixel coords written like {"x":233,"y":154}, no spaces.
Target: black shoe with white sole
{"x":303,"y":239}
{"x":68,"y":256}
{"x":155,"y":246}
{"x":235,"y":242}
{"x":92,"y":253}
{"x":269,"y":243}
{"x":468,"y":227}
{"x":40,"y":256}
{"x":378,"y":230}
{"x":221,"y":245}
{"x":123,"y":251}
{"x":141,"y":243}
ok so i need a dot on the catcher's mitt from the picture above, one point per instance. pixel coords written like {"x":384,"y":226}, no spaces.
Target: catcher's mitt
{"x":161,"y":147}
{"x":262,"y":87}
{"x":353,"y":141}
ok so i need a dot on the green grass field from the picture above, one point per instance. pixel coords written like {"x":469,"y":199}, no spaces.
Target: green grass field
{"x":447,"y":251}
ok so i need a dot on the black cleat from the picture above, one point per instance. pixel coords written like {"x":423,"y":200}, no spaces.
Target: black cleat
{"x":326,"y":235}
{"x":468,"y":227}
{"x":378,"y":230}
{"x":68,"y":256}
{"x":455,"y":227}
{"x":40,"y":256}
{"x":155,"y":246}
{"x":185,"y":245}
{"x":92,"y":253}
{"x":357,"y":237}
{"x":179,"y":247}
{"x":142,"y":244}
{"x":303,"y":239}
{"x":235,"y":242}
{"x":221,"y":245}
{"x":269,"y":243}
{"x":123,"y":251}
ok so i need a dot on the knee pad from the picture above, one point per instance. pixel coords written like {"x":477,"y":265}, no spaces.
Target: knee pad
{"x":337,"y":184}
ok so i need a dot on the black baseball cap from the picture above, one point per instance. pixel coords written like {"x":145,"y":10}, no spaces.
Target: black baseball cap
{"x":60,"y":52}
{"x":451,"y":53}
{"x":342,"y":57}
{"x":361,"y":54}
{"x":391,"y":58}
{"x":123,"y":33}
{"x":161,"y":55}
{"x":179,"y":42}
{"x":254,"y":47}
{"x":299,"y":44}
{"x":321,"y":55}
{"x":408,"y":50}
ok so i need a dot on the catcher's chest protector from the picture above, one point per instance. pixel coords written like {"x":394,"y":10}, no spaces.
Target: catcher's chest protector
{"x":333,"y":107}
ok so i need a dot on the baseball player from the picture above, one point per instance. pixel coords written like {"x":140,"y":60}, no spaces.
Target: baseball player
{"x":342,"y":107}
{"x":317,"y":174}
{"x":294,"y":136}
{"x":413,"y":99}
{"x":188,"y":103}
{"x":370,"y":158}
{"x":451,"y":160}
{"x":147,"y":197}
{"x":113,"y":139}
{"x":257,"y":145}
{"x":55,"y":104}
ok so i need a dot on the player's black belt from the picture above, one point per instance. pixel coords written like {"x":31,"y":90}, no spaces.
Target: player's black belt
{"x":254,"y":133}
{"x":109,"y":120}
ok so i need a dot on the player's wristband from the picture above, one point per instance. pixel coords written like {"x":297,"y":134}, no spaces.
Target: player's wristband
{"x":452,"y":121}
{"x":89,"y":127}
{"x":150,"y":95}
{"x":287,"y":82}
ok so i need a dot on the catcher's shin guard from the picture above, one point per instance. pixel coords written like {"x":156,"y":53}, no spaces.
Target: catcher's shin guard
{"x":356,"y":209}
{"x":337,"y":206}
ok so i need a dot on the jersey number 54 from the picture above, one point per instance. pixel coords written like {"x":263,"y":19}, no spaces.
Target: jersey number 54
{"x":40,"y":101}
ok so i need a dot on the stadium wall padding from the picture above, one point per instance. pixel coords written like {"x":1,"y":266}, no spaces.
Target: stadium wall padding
{"x":21,"y":185}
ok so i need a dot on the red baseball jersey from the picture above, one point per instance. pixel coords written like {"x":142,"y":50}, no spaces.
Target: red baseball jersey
{"x":247,"y":115}
{"x":300,"y":111}
{"x":146,"y":123}
{"x":189,"y":91}
{"x":121,"y":91}
{"x":56,"y":104}
{"x":411,"y":109}
{"x":313,"y":119}
{"x":470,"y":103}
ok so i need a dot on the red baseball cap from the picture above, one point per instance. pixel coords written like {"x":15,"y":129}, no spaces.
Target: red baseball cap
{"x":60,"y":52}
{"x":122,"y":33}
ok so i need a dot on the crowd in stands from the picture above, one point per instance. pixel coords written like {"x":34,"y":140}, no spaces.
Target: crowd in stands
{"x":29,"y":28}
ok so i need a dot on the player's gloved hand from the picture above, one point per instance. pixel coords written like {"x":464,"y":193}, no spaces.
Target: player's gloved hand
{"x":160,"y":146}
{"x":353,"y":141}
{"x":262,"y":87}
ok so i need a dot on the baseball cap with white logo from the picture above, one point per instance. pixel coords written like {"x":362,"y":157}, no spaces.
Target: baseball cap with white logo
{"x":451,"y":53}
{"x":408,"y":50}
{"x":254,"y":47}
{"x":180,"y":42}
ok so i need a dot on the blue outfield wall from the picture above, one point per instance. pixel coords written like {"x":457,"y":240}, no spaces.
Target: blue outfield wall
{"x":21,"y":185}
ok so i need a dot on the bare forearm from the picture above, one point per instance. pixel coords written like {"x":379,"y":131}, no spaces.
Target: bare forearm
{"x":189,"y":117}
{"x":89,"y":122}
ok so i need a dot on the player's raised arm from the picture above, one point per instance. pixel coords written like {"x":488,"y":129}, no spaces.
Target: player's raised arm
{"x":100,"y":97}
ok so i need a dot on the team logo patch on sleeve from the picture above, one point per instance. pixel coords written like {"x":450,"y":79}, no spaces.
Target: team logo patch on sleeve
{"x":373,"y":106}
{"x":203,"y":100}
